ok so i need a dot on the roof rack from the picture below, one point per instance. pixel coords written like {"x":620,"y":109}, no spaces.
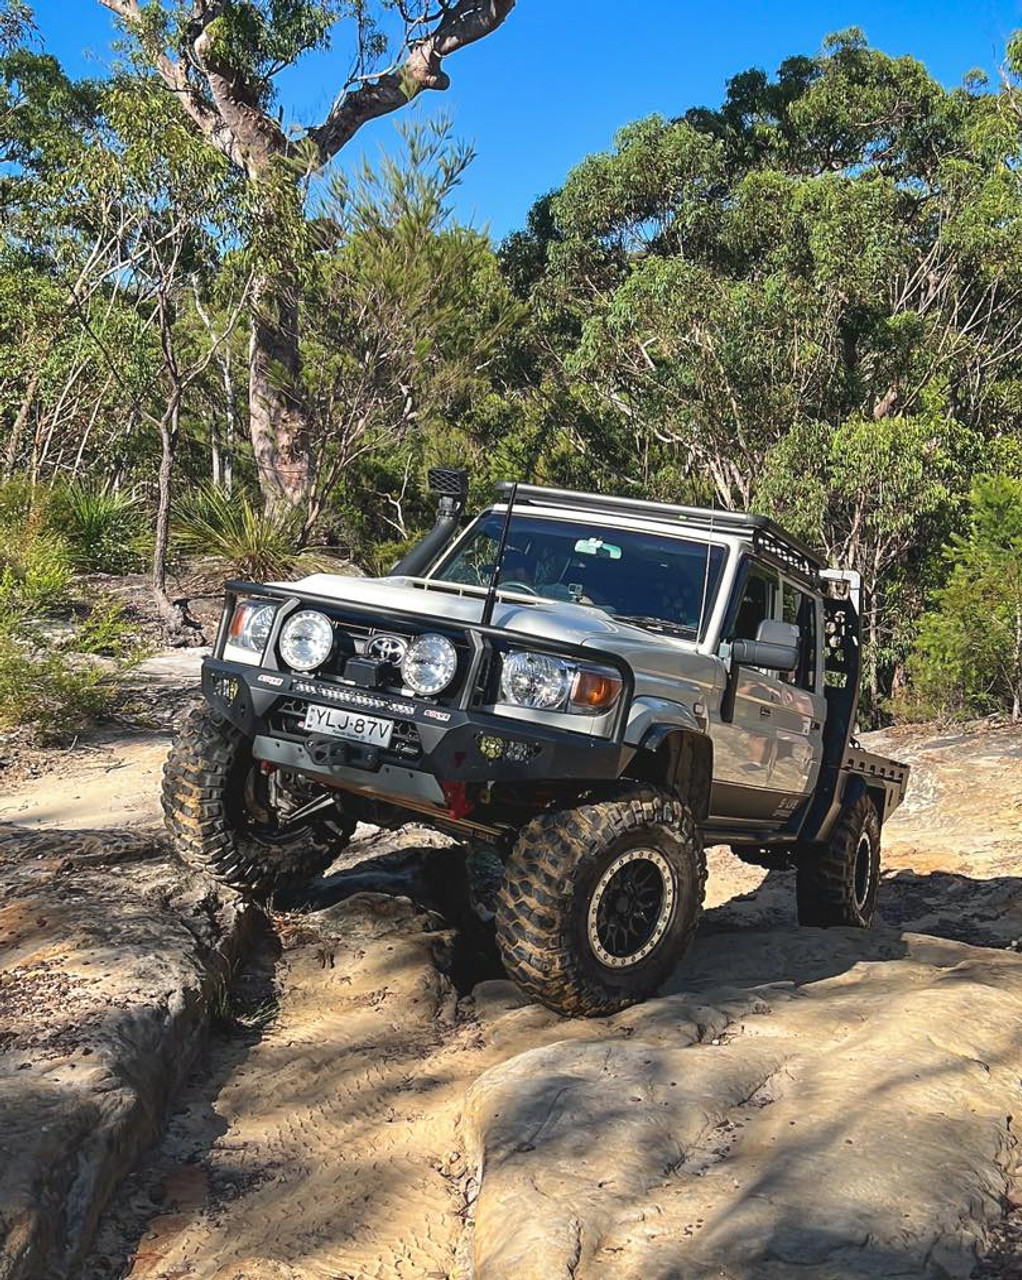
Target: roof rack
{"x":767,"y":536}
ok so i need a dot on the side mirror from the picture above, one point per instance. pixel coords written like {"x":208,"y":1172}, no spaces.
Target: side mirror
{"x":775,"y":648}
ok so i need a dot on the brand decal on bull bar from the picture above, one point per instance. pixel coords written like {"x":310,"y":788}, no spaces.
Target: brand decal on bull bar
{"x":275,"y":681}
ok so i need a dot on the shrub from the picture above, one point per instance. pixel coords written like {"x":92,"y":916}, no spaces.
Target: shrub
{"x":249,"y":541}
{"x":967,"y":659}
{"x":50,"y":689}
{"x":104,"y":527}
{"x":108,"y":631}
{"x":44,"y":695}
{"x":35,"y":569}
{"x":18,"y":499}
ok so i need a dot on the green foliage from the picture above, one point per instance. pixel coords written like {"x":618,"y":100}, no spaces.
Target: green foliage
{"x":108,"y":631}
{"x":104,"y":528}
{"x":967,"y":659}
{"x":46,"y":695}
{"x":409,"y":328}
{"x":35,"y":569}
{"x":16,"y":23}
{"x":242,"y":537}
{"x":17,"y":499}
{"x":256,"y":38}
{"x":806,"y":300}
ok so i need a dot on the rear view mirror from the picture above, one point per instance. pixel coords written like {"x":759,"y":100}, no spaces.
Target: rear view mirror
{"x":775,"y":647}
{"x":597,"y":547}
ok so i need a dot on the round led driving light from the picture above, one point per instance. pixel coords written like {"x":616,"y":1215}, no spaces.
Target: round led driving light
{"x":535,"y":680}
{"x":430,"y":664}
{"x":306,"y":640}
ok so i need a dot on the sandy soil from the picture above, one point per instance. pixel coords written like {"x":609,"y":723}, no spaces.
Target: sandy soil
{"x":325,"y":1136}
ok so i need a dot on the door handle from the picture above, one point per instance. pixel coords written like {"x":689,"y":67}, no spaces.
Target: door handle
{"x":765,"y":713}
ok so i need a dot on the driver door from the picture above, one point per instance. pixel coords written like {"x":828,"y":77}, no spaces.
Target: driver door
{"x":745,"y":748}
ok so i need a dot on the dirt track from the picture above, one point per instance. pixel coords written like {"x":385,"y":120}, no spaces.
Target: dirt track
{"x":343,"y":1123}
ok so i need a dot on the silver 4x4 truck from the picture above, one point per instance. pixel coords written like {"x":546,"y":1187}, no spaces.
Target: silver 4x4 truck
{"x":593,"y":686}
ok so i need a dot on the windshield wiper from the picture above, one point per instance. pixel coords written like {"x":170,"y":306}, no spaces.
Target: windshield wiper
{"x":655,"y":624}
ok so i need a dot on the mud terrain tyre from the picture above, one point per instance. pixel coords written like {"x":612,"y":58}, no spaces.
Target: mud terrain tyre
{"x":837,"y":882}
{"x":206,"y":782}
{"x":599,"y":902}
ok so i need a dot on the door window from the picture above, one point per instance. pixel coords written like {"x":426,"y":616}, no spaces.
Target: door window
{"x":800,"y":608}
{"x":759,"y":596}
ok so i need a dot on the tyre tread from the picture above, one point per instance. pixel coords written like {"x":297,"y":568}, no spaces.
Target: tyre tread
{"x":532,"y":905}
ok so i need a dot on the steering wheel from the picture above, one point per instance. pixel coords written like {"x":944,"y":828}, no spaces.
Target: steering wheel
{"x":518,"y":586}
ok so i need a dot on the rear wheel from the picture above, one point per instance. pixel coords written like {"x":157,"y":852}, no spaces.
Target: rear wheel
{"x":837,"y":882}
{"x":601,"y":901}
{"x":258,"y":832}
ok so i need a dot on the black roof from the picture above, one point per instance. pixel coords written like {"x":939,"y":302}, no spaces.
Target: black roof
{"x":768,"y":536}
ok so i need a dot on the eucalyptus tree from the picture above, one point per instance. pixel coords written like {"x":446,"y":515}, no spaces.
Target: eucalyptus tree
{"x":218,"y":61}
{"x":809,"y":299}
{"x":410,"y":313}
{"x":16,"y":23}
{"x":148,"y":214}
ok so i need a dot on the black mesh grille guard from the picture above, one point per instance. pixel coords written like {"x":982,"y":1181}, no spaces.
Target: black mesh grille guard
{"x":448,"y":482}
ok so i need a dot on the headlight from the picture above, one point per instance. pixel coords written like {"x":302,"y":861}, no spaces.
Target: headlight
{"x":306,"y":640}
{"x":535,"y":680}
{"x":430,"y":664}
{"x":250,"y":627}
{"x":545,"y":683}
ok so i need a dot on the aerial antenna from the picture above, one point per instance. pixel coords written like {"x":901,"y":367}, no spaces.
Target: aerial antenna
{"x":706,"y":582}
{"x":498,"y":564}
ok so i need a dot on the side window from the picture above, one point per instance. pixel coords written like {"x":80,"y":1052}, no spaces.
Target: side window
{"x":800,"y":608}
{"x":759,"y":596}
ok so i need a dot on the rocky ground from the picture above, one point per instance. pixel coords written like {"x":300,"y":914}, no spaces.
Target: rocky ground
{"x":376,"y":1101}
{"x":111,"y":967}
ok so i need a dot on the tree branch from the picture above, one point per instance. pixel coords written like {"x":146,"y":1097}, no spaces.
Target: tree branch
{"x":212,"y":125}
{"x":461,"y":24}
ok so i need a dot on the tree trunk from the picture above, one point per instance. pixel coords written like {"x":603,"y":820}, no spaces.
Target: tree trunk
{"x":181,"y":629}
{"x":277,"y":412}
{"x":20,"y":423}
{"x":229,"y":427}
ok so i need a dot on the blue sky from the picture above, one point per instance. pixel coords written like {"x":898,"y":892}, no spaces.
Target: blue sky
{"x":548,"y":88}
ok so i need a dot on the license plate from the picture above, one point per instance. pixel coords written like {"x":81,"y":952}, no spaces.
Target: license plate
{"x":352,"y":725}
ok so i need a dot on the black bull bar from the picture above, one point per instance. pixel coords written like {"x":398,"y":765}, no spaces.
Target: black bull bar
{"x":480,"y":636}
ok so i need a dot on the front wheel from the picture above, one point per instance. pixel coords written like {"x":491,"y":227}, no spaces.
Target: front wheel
{"x":837,"y":882}
{"x":259,"y":833}
{"x":600,"y":902}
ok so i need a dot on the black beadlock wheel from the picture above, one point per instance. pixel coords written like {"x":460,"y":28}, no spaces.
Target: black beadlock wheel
{"x":221,"y":824}
{"x":600,"y":902}
{"x":837,"y":882}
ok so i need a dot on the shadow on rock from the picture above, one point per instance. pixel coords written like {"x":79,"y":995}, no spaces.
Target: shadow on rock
{"x":458,"y":886}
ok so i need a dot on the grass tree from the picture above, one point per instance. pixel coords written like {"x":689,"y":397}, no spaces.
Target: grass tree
{"x":218,"y":60}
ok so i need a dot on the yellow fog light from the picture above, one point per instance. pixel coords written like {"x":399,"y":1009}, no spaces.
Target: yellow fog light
{"x":490,"y":747}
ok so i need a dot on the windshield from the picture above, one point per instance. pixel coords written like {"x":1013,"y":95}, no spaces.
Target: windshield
{"x":648,"y":578}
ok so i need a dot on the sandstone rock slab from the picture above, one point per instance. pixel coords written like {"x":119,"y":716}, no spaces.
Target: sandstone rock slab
{"x":857,"y":1123}
{"x":110,"y":959}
